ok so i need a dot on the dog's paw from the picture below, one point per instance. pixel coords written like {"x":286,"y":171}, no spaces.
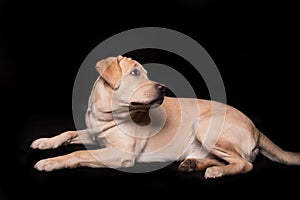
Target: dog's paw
{"x":213,"y":172}
{"x":44,"y":143}
{"x":48,"y":165}
{"x":188,"y":165}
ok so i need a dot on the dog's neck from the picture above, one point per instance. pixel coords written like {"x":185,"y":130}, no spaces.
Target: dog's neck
{"x":140,"y":118}
{"x":104,"y":120}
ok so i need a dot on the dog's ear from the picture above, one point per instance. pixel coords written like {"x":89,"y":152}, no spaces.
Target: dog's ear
{"x":110,"y":70}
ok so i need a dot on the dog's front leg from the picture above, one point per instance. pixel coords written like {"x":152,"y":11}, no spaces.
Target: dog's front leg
{"x":107,"y":157}
{"x":68,"y":137}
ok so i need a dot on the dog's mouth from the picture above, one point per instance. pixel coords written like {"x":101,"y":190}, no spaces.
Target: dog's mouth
{"x":149,"y":103}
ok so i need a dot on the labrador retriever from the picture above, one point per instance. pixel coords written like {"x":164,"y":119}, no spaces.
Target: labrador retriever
{"x":131,"y":115}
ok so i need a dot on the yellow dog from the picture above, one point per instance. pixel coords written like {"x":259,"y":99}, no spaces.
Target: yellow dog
{"x":137,"y":123}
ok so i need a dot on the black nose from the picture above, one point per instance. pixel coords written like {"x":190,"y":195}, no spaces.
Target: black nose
{"x":160,"y":87}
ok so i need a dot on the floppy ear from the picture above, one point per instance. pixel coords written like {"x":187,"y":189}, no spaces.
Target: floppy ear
{"x":110,"y":71}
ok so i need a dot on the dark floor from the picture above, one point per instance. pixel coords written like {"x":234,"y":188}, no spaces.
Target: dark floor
{"x":268,"y":179}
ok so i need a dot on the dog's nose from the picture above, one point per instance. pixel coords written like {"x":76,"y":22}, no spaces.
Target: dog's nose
{"x":160,"y":87}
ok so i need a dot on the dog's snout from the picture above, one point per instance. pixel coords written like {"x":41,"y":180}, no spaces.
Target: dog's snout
{"x":160,"y":87}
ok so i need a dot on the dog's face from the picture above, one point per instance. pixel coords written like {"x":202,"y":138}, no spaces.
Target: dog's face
{"x":128,"y":84}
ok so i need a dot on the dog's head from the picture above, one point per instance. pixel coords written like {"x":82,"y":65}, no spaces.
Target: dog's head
{"x":127,"y":83}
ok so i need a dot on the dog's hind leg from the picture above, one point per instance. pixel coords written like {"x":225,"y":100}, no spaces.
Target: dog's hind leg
{"x":231,"y":154}
{"x":235,"y":166}
{"x":68,"y":137}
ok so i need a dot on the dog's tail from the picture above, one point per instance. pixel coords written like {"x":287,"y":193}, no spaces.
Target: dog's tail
{"x":275,"y":153}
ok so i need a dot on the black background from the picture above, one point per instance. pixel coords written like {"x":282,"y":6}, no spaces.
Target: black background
{"x":43,"y":43}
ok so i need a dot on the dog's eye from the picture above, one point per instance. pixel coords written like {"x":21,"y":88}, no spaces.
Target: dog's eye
{"x":135,"y":72}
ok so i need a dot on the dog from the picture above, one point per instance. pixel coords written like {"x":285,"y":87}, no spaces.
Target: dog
{"x":137,"y":122}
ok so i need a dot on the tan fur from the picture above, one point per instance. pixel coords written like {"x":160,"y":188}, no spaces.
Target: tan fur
{"x":110,"y":70}
{"x":127,"y":113}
